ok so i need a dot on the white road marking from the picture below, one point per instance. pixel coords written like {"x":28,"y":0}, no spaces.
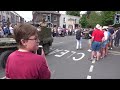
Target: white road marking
{"x":93,"y":61}
{"x":88,"y":77}
{"x":62,"y":53}
{"x":58,"y":43}
{"x":73,"y":52}
{"x":91,"y":68}
{"x":80,"y":57}
{"x":56,"y":50}
{"x":3,"y":77}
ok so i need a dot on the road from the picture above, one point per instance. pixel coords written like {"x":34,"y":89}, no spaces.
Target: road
{"x":66,"y":62}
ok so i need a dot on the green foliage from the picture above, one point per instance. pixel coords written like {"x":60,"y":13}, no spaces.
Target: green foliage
{"x":107,"y":17}
{"x":104,"y":18}
{"x":94,"y":18}
{"x":74,"y":13}
{"x":83,"y":21}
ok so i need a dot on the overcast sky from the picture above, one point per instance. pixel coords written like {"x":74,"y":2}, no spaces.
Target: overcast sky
{"x":27,"y":15}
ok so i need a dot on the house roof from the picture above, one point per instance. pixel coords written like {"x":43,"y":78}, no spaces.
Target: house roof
{"x":52,"y":12}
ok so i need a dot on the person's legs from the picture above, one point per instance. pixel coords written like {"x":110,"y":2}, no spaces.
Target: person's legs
{"x":93,"y":46}
{"x":77,"y":46}
{"x":103,"y":46}
{"x":98,"y":47}
{"x":80,"y":42}
{"x":106,"y":50}
{"x":89,"y":45}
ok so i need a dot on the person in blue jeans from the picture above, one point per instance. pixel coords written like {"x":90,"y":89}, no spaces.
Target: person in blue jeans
{"x":97,"y":39}
{"x":79,"y":38}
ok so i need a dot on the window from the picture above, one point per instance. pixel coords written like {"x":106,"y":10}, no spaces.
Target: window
{"x":45,"y":17}
{"x":55,"y":18}
{"x":48,"y":18}
{"x":64,"y":26}
{"x":64,"y":20}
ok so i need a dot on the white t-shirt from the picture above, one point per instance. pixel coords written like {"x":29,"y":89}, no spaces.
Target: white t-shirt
{"x":106,"y":35}
{"x":11,"y":30}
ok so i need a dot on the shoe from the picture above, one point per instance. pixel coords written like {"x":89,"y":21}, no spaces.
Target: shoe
{"x":111,"y":48}
{"x":80,"y":48}
{"x":89,"y":50}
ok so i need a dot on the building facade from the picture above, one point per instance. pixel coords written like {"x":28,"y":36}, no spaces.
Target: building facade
{"x":69,"y":21}
{"x":13,"y":17}
{"x":51,"y":17}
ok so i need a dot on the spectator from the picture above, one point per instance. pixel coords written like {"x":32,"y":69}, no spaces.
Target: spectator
{"x":79,"y":38}
{"x":89,"y":39}
{"x":23,"y":63}
{"x":97,"y":39}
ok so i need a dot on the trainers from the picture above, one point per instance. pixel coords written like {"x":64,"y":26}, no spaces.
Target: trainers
{"x":89,"y":50}
{"x":80,"y":48}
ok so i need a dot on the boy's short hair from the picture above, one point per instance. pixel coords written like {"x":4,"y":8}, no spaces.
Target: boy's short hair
{"x":24,"y":31}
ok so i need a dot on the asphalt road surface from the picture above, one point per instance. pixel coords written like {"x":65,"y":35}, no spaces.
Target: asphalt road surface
{"x":66,"y":62}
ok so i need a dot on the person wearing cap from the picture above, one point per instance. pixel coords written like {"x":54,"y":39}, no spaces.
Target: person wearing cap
{"x":104,"y":45}
{"x":97,"y":39}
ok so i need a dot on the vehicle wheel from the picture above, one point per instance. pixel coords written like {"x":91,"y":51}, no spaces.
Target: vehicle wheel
{"x":4,"y":56}
{"x":46,"y":48}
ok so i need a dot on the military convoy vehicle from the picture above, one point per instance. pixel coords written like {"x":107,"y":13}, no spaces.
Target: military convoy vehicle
{"x":8,"y":45}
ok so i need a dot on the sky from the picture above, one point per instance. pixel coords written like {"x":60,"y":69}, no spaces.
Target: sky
{"x":27,"y":15}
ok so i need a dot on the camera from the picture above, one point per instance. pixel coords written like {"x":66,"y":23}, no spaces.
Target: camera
{"x":39,"y":51}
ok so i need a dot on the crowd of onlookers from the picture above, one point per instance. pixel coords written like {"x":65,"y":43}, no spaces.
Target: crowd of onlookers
{"x":6,"y":31}
{"x":103,"y":39}
{"x":100,"y":40}
{"x":56,"y":32}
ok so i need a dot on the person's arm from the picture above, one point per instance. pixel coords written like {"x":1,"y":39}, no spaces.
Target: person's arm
{"x":44,"y":72}
{"x":92,"y":38}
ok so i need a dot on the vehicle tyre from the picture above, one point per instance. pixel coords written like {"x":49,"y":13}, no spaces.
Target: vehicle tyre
{"x":46,"y":48}
{"x":3,"y":57}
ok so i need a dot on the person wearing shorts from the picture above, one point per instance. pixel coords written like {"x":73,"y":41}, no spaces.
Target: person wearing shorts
{"x":97,"y":38}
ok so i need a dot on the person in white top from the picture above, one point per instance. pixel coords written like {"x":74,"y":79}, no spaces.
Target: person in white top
{"x":11,"y":29}
{"x":104,"y":46}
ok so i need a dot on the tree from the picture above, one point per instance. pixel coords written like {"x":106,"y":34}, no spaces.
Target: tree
{"x":74,"y":13}
{"x":107,"y":17}
{"x":83,"y":21}
{"x":94,"y":18}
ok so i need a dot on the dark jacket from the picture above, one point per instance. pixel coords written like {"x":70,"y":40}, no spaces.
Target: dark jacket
{"x":78,"y":34}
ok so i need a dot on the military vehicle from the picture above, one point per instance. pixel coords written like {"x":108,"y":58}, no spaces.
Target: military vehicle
{"x":8,"y":45}
{"x":85,"y":34}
